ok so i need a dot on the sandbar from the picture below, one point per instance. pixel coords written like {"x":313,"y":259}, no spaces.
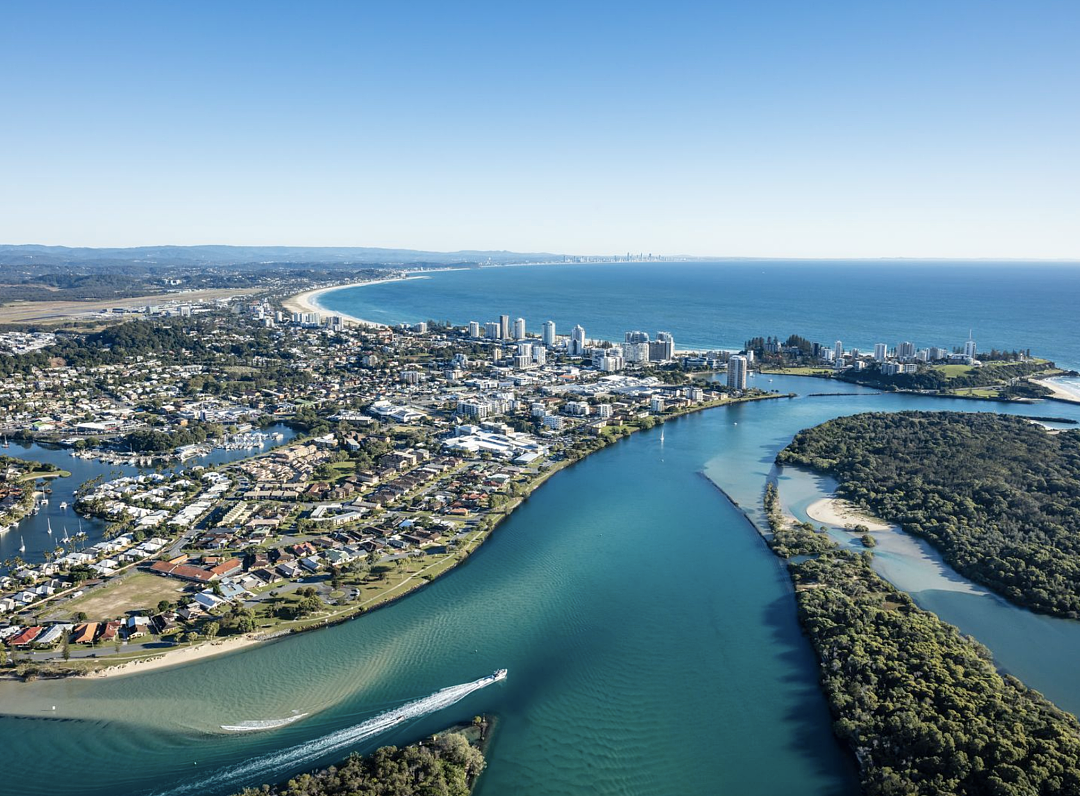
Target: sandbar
{"x":839,"y":513}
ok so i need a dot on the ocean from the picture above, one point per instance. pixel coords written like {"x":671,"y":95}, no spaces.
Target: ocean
{"x":708,"y":305}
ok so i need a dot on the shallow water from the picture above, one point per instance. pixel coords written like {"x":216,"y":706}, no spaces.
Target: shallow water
{"x":650,"y":636}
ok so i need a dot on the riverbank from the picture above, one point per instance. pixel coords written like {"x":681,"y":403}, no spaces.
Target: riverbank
{"x":840,"y":513}
{"x":450,"y":761}
{"x":308,"y":301}
{"x":399,"y":585}
{"x":177,"y":656}
{"x":1059,"y":392}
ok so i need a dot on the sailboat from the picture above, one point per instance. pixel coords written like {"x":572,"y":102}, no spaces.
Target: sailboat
{"x":66,"y":537}
{"x":49,"y":523}
{"x":661,"y":436}
{"x":22,"y":545}
{"x":6,"y":443}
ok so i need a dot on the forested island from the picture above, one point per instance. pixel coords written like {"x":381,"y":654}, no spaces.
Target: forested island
{"x":446,"y":764}
{"x":920,"y":705}
{"x":999,"y":496}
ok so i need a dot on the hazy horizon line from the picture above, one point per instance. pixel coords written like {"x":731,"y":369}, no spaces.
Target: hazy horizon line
{"x":683,"y":255}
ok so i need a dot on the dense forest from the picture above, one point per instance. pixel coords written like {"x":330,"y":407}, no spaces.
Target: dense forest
{"x":446,"y":765}
{"x":998,"y":495}
{"x":921,"y":705}
{"x":930,"y":378}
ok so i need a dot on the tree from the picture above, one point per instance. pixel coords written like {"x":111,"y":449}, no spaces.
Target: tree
{"x":163,"y":606}
{"x":211,"y":630}
{"x":65,"y":648}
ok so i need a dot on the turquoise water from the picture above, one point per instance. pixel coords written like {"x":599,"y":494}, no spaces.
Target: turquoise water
{"x":650,"y":637}
{"x":33,"y":533}
{"x":709,"y":305}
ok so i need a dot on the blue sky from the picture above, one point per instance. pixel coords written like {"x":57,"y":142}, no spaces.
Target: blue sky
{"x":830,"y":129}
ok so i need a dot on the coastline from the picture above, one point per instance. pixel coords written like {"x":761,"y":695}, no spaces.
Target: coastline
{"x":308,"y":301}
{"x":840,"y":513}
{"x":174,"y":657}
{"x":181,"y":655}
{"x":1060,"y":393}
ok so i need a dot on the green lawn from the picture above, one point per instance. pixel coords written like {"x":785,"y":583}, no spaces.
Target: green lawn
{"x":953,"y":371}
{"x":800,"y":371}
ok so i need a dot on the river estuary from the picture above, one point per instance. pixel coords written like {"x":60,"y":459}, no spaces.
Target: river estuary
{"x":650,"y":638}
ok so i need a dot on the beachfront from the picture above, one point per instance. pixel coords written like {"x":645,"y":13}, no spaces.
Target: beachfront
{"x":308,"y":301}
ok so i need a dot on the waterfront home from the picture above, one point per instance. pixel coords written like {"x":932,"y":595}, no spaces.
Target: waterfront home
{"x":51,"y":635}
{"x":26,"y":637}
{"x":85,"y":633}
{"x":136,"y":626}
{"x":110,"y":631}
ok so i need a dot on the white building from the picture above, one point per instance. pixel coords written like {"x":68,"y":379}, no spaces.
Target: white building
{"x":969,"y":348}
{"x":880,"y":352}
{"x":736,"y":372}
{"x":577,"y":408}
{"x":519,"y":329}
{"x":577,"y":341}
{"x":474,"y":329}
{"x":549,"y":334}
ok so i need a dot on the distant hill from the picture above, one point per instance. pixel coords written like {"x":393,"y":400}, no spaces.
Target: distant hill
{"x":35,"y":255}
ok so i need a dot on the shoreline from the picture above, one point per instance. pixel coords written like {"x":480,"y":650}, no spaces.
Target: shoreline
{"x":177,"y":656}
{"x":1060,"y":393}
{"x":841,"y":513}
{"x":308,"y":301}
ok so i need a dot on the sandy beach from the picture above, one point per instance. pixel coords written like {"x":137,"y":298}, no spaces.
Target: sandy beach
{"x":180,"y":655}
{"x":1059,"y":392}
{"x":308,"y":301}
{"x":837,"y":512}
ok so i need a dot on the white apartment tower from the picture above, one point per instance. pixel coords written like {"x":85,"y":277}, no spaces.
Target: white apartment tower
{"x":519,"y":329}
{"x":577,"y":341}
{"x":736,"y":372}
{"x":549,"y":334}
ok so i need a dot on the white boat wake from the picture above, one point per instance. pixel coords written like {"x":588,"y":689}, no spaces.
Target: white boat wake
{"x":271,"y":767}
{"x":263,"y":724}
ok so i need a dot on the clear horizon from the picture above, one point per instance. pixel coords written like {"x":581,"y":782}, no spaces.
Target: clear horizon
{"x":780,"y":131}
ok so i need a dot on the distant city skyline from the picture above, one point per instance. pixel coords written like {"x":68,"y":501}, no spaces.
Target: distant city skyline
{"x":772,"y":130}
